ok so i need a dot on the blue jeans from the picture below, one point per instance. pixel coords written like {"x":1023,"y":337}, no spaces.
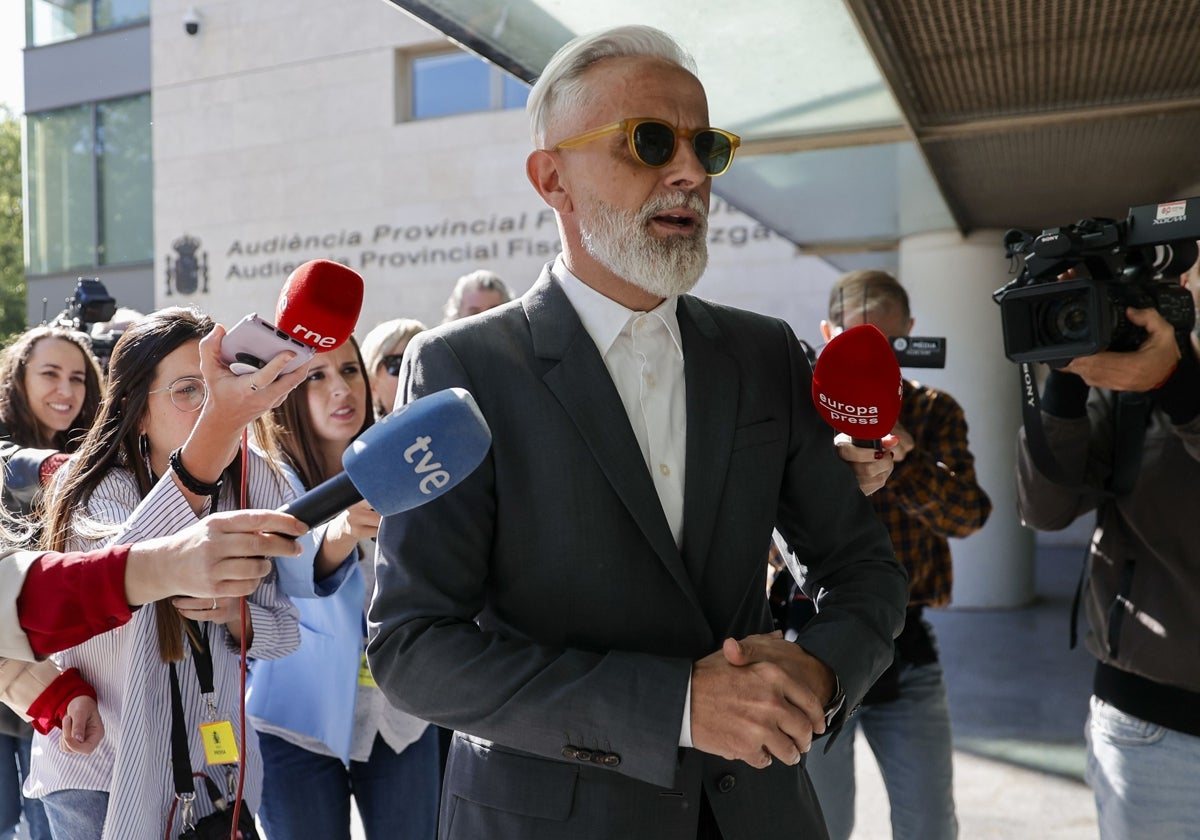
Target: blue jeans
{"x":910,"y":737}
{"x":76,"y":814}
{"x":308,"y":795}
{"x":1143,"y":776}
{"x":14,"y":768}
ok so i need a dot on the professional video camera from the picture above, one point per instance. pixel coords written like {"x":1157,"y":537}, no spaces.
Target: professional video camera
{"x":90,"y":305}
{"x":1118,"y":264}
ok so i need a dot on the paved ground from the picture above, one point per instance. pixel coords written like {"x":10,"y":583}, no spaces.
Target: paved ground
{"x":1018,"y":701}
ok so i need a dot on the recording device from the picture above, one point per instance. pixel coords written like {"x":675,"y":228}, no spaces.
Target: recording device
{"x":919,"y":351}
{"x":91,"y":304}
{"x":1132,"y":262}
{"x":410,"y":457}
{"x":317,"y":310}
{"x":856,"y":385}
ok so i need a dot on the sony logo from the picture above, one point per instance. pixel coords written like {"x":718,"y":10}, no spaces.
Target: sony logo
{"x":1028,"y":381}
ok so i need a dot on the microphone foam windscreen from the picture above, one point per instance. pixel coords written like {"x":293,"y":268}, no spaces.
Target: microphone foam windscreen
{"x":856,"y":383}
{"x":319,"y":304}
{"x":419,"y":451}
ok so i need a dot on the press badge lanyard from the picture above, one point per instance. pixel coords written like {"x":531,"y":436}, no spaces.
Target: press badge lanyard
{"x":364,"y":669}
{"x":220,"y":745}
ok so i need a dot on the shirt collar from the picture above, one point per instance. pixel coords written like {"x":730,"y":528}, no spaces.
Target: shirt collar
{"x":603,"y":317}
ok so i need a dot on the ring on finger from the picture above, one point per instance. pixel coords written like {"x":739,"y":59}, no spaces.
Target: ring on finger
{"x":214,"y":604}
{"x":253,"y":387}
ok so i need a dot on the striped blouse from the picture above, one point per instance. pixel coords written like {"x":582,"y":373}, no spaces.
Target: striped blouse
{"x":132,"y":685}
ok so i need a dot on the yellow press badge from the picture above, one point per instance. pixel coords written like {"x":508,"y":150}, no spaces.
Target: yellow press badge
{"x":364,"y":673}
{"x":220,"y":745}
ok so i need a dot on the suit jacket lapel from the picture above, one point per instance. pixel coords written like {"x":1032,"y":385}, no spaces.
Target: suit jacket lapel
{"x":712,"y":390}
{"x":582,"y":384}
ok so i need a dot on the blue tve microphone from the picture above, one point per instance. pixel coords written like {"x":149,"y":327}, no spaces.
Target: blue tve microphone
{"x":408,"y":458}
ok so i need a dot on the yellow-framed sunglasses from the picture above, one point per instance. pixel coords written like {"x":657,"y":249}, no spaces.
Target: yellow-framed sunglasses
{"x":652,"y":143}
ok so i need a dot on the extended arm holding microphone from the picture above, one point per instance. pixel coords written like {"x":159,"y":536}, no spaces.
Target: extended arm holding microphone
{"x":317,"y":311}
{"x":318,"y":307}
{"x":857,"y":387}
{"x":408,"y":458}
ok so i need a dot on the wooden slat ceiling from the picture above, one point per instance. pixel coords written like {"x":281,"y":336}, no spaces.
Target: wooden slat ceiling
{"x":1036,"y":113}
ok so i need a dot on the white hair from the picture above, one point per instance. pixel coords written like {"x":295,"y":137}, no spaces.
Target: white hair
{"x":561,"y":85}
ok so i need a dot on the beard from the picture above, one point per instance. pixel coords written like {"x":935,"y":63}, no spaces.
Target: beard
{"x":620,"y":240}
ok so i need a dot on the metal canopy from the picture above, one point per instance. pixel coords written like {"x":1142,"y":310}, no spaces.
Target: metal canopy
{"x":867,"y":120}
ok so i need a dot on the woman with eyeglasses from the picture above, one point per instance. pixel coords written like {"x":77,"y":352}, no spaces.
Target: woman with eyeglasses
{"x":49,"y":391}
{"x":344,"y":739}
{"x":163,"y":453}
{"x":383,"y":350}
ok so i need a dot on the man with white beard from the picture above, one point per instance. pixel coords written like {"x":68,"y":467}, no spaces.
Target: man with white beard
{"x":588,"y":609}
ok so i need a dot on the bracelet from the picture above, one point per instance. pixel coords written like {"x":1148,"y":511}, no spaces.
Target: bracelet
{"x":193,"y":484}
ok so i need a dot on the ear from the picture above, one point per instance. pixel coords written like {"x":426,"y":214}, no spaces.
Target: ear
{"x":542,"y":169}
{"x":826,"y":331}
{"x":911,"y":321}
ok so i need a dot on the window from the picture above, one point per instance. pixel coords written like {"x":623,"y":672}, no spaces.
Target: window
{"x":89,"y":186}
{"x":459,"y":83}
{"x":51,"y":21}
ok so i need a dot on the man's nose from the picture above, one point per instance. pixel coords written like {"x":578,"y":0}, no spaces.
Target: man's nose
{"x":685,"y":170}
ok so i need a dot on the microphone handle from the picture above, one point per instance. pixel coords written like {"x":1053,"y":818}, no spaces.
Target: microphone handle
{"x":868,"y":443}
{"x":325,"y":501}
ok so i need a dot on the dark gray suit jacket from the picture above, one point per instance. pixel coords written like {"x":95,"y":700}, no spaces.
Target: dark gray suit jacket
{"x":542,"y":607}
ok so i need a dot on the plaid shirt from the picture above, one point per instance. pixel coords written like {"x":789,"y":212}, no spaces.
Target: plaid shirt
{"x":932,"y":494}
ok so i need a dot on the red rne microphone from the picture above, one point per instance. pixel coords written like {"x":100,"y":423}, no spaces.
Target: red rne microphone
{"x":319,"y":304}
{"x":317,"y":310}
{"x":856,"y":385}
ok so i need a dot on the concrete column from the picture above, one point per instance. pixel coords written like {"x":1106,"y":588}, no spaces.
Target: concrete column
{"x":950,"y":279}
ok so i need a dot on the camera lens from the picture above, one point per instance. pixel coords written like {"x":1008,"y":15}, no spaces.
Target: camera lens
{"x":1068,"y":321}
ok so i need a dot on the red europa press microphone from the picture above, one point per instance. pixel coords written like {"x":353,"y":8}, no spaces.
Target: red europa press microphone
{"x":856,"y":385}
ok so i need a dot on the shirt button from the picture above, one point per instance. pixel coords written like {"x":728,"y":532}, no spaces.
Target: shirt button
{"x":664,"y":469}
{"x":726,"y":783}
{"x":650,"y":379}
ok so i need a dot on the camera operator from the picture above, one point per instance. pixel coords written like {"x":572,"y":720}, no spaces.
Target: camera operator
{"x":1125,"y":429}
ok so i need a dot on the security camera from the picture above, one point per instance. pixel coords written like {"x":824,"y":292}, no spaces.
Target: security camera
{"x":191,"y":21}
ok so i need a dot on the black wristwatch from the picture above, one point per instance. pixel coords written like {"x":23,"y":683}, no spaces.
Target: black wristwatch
{"x":193,"y":484}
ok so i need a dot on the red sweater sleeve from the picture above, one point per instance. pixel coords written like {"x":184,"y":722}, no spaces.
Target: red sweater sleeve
{"x":48,"y":710}
{"x":69,"y":598}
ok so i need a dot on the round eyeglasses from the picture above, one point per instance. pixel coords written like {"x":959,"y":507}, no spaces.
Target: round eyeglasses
{"x":188,"y":393}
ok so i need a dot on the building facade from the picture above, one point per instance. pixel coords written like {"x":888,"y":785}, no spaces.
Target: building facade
{"x":224,"y":143}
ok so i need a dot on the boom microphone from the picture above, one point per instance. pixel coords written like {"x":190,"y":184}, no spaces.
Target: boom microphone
{"x":856,"y":385}
{"x":319,"y":304}
{"x":408,"y":458}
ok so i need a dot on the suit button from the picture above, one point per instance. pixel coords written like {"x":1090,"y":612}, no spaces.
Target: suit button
{"x":570,"y":752}
{"x":726,"y":783}
{"x":584,"y":755}
{"x":612,"y":760}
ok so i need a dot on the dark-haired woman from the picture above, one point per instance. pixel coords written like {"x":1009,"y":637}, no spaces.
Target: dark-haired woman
{"x":49,"y":391}
{"x":344,"y":739}
{"x":163,"y":453}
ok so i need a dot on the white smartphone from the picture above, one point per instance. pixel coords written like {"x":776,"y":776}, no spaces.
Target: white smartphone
{"x":253,"y":342}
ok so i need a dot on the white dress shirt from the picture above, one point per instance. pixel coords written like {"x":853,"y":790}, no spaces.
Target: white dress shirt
{"x":643,"y":352}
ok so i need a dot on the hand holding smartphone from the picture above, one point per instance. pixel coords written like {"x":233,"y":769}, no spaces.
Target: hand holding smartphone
{"x":253,"y":342}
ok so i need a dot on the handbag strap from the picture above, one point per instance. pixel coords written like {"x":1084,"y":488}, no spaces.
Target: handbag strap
{"x":181,"y":759}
